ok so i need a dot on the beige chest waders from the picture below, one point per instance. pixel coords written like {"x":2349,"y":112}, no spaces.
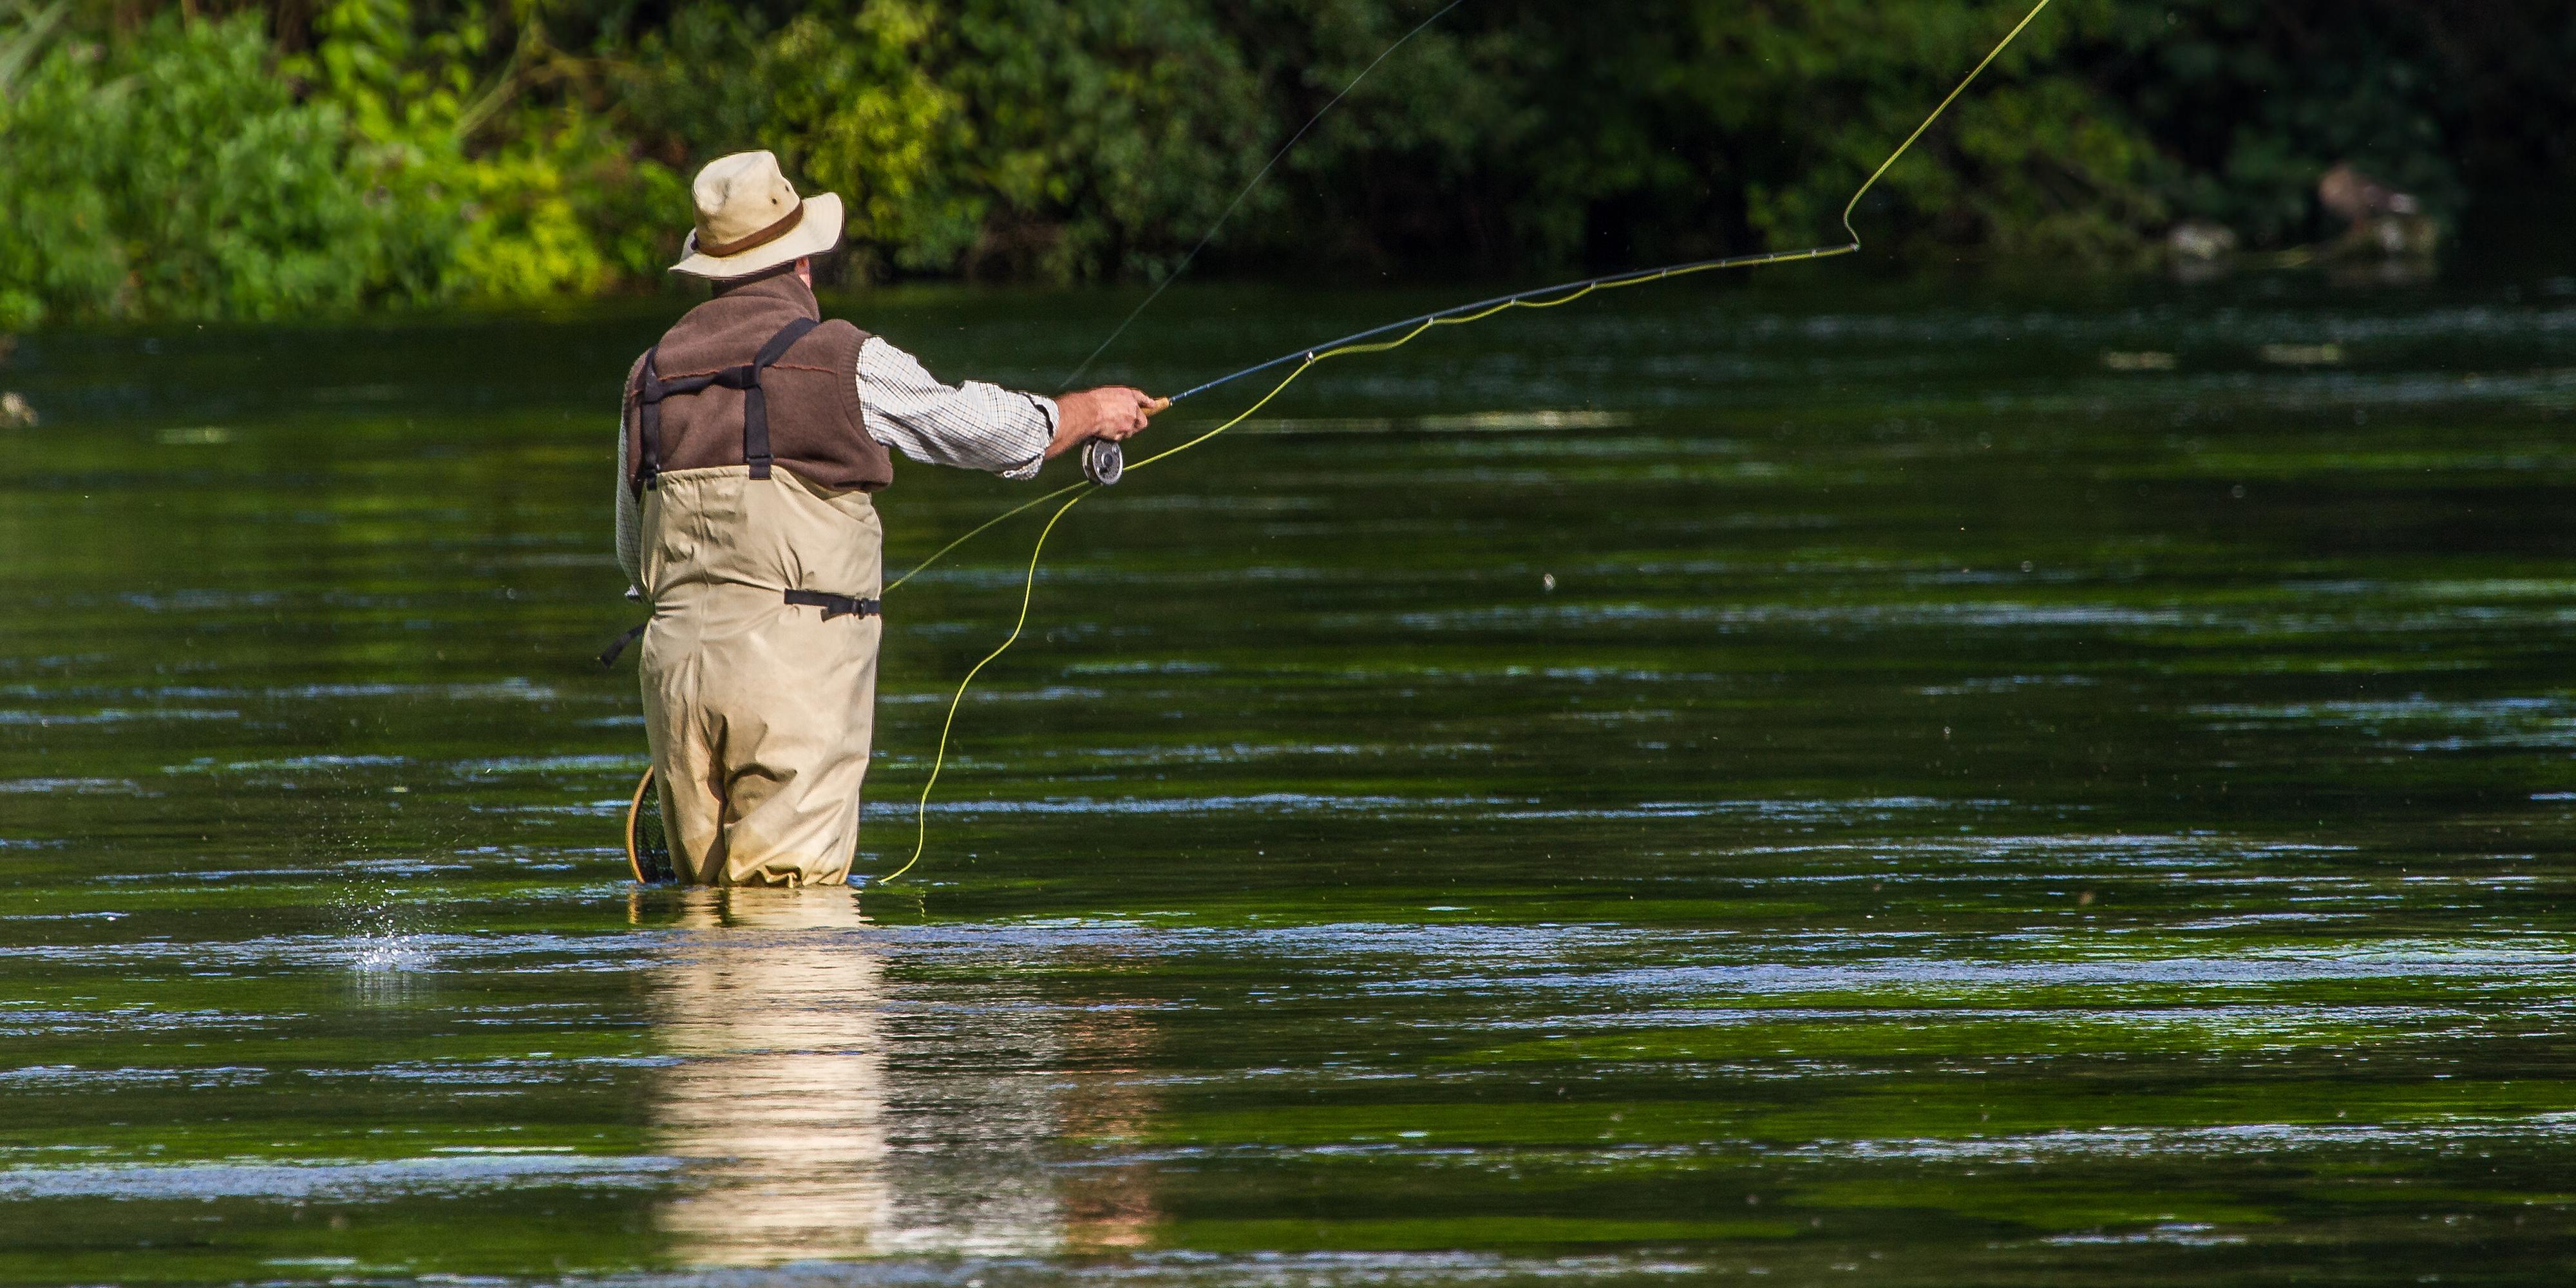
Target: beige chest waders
{"x":758,"y":665}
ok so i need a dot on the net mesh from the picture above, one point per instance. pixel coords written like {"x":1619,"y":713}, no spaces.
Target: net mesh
{"x":648,"y":847}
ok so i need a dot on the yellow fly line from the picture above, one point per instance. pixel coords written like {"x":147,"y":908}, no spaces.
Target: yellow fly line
{"x":1402,"y":333}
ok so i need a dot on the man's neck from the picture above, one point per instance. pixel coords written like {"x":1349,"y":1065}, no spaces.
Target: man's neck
{"x":770,"y":275}
{"x":784,"y":288}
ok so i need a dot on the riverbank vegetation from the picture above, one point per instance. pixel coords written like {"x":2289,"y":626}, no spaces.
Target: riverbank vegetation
{"x":205,"y":158}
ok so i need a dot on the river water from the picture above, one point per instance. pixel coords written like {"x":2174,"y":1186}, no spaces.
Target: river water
{"x":1839,"y":781}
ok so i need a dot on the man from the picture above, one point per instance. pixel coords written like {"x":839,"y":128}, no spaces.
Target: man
{"x":752,"y":439}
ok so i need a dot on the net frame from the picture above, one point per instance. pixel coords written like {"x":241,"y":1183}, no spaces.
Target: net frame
{"x":648,"y":847}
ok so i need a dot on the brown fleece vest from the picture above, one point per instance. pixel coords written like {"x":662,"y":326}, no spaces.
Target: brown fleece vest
{"x":812,"y":393}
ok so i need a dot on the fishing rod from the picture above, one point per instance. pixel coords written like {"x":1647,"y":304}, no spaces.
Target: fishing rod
{"x":1371,"y":341}
{"x":1104,"y":462}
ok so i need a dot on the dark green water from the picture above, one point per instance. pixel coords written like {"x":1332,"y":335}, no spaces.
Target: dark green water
{"x":1966,"y":813}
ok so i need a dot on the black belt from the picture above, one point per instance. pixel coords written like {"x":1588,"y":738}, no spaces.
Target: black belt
{"x":837,"y":605}
{"x":831,"y":604}
{"x":608,"y":657}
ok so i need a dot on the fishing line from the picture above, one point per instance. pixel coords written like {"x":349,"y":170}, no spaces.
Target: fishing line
{"x":1403,"y":333}
{"x":1258,"y":176}
{"x":1028,"y":589}
{"x":973,"y":532}
{"x":646,"y":852}
{"x":1183,"y":267}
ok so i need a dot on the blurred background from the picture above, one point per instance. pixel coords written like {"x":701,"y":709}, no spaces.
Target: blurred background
{"x":201,"y":159}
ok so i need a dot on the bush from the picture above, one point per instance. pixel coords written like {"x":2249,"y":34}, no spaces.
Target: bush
{"x":187,"y":169}
{"x":174,"y":174}
{"x":324,"y":155}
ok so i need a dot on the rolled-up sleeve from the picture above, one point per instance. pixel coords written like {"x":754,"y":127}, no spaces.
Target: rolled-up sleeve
{"x":972,"y":426}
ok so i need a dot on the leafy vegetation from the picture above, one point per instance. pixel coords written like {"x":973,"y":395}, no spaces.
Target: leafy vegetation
{"x":205,"y":158}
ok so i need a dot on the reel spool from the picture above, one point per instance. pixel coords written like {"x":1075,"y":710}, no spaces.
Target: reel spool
{"x":1103,"y":462}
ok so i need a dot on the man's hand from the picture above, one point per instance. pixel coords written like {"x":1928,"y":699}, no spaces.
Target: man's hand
{"x":1113,"y":412}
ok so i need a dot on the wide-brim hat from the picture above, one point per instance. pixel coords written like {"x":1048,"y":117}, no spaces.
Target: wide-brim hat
{"x":750,"y":220}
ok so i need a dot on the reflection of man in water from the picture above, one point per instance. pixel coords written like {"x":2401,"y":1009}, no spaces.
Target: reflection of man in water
{"x":815,"y":1139}
{"x":775,"y":1006}
{"x":752,"y":439}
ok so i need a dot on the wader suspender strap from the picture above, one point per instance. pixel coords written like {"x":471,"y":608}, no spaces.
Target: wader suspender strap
{"x":755,"y":405}
{"x":755,"y":452}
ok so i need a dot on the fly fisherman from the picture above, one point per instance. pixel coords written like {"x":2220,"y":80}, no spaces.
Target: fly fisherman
{"x":752,"y":439}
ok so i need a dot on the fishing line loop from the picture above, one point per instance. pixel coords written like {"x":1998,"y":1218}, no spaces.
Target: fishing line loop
{"x":1542,"y":297}
{"x":1028,"y":588}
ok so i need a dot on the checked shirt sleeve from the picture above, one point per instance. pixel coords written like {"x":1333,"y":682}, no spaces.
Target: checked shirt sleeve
{"x":630,"y":524}
{"x":973,"y":426}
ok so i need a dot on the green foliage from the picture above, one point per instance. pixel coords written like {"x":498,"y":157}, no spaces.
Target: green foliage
{"x":171,"y":172}
{"x":551,"y":209}
{"x":1033,"y":138}
{"x":264,"y":159}
{"x":186,"y":169}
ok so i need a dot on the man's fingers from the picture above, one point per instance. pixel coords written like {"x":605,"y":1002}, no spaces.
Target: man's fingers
{"x":1120,"y":411}
{"x":1146,"y":406}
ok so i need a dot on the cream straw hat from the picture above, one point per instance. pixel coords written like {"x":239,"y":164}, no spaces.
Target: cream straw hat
{"x":750,"y":219}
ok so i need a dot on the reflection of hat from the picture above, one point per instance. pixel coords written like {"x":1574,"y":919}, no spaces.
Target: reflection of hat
{"x":750,"y":219}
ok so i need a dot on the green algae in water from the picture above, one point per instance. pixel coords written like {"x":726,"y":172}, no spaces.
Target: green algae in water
{"x":1857,"y":788}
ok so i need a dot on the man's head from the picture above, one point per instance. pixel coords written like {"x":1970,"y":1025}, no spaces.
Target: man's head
{"x":750,"y":220}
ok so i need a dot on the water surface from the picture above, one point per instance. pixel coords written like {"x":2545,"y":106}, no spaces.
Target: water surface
{"x":1833,"y":781}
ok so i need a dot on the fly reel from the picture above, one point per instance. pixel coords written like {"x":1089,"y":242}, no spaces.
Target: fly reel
{"x":1102,"y":461}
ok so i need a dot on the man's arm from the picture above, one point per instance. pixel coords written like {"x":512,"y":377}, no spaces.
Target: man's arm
{"x":979,"y":426}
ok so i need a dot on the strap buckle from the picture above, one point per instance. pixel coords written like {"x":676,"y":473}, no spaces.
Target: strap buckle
{"x":837,"y":605}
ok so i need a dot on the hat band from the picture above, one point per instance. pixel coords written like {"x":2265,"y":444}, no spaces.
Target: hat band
{"x":786,"y":225}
